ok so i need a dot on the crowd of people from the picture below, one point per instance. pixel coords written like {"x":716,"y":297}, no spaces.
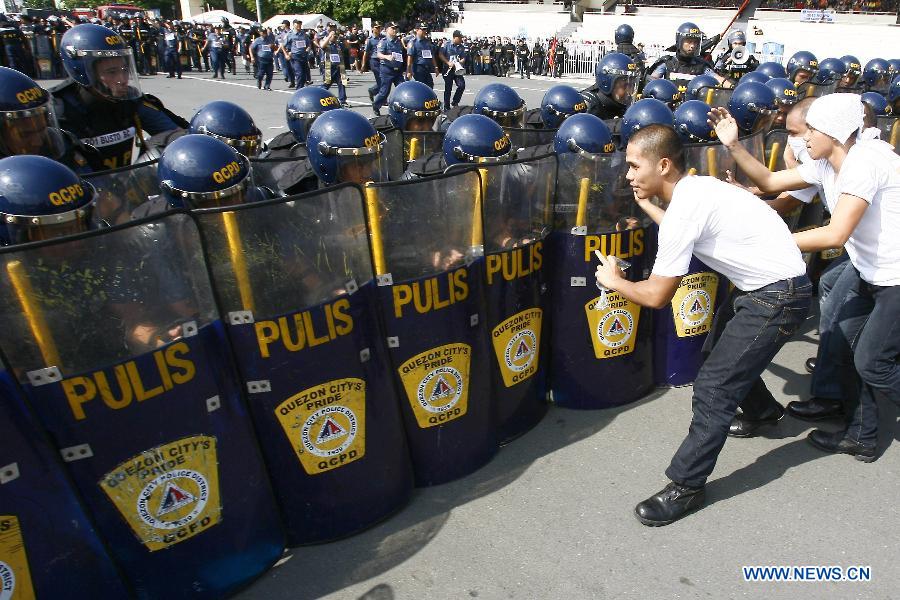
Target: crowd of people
{"x":888,"y":6}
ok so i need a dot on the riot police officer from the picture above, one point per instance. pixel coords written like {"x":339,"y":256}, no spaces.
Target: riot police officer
{"x":802,"y":67}
{"x":344,"y":147}
{"x":686,"y":61}
{"x":522,"y":54}
{"x":771,"y":69}
{"x":785,"y":98}
{"x":102,"y":103}
{"x":691,"y":122}
{"x":28,"y":125}
{"x":421,"y":57}
{"x":753,"y":107}
{"x":390,"y":53}
{"x":413,"y":107}
{"x":15,"y":54}
{"x":616,"y":81}
{"x":663,"y":90}
{"x":642,"y":113}
{"x":469,"y":139}
{"x":500,"y":103}
{"x":876,"y":102}
{"x":560,"y":53}
{"x":624,"y":38}
{"x":228,"y":123}
{"x":736,"y":60}
{"x":537,"y":58}
{"x":876,"y":76}
{"x":850,"y":81}
{"x":452,"y":53}
{"x":558,"y":104}
{"x":894,"y":96}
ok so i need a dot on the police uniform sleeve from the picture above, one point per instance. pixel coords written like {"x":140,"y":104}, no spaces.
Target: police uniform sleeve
{"x":156,"y":118}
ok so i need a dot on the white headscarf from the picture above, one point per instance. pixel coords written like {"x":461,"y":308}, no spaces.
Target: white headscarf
{"x":840,"y":116}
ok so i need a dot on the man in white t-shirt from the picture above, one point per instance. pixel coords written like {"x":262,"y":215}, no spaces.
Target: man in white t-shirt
{"x":730,"y":230}
{"x":860,"y":177}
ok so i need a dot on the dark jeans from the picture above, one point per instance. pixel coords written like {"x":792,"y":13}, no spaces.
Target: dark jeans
{"x":834,"y":286}
{"x":763,"y":320}
{"x":460,"y":82}
{"x":868,"y":333}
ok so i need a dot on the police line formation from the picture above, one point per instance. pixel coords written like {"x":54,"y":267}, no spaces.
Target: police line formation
{"x":202,"y":366}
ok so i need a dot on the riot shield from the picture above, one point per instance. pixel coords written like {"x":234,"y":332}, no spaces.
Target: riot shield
{"x":394,"y":153}
{"x":120,"y":191}
{"x":417,"y":144}
{"x":890,"y":130}
{"x":294,"y":278}
{"x":528,"y":137}
{"x":716,"y":97}
{"x":48,"y":547}
{"x":600,"y":352}
{"x":427,"y":246}
{"x":517,"y":218}
{"x":714,"y":159}
{"x":775,"y":143}
{"x":811,"y":89}
{"x":116,"y":341}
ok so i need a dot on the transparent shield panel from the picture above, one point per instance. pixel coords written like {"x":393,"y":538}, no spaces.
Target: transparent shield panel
{"x":527,"y":137}
{"x":267,"y":171}
{"x":716,"y":97}
{"x":96,"y":300}
{"x":890,"y":130}
{"x":810,"y":89}
{"x":425,"y":226}
{"x":518,"y":202}
{"x":714,"y":159}
{"x":417,"y":144}
{"x":775,"y":143}
{"x":592,"y":193}
{"x":274,"y":258}
{"x":393,"y":154}
{"x":120,"y":191}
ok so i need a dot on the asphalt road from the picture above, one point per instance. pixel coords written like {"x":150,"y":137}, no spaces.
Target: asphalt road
{"x":551,"y":515}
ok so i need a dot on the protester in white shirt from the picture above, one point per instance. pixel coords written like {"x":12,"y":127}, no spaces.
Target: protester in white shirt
{"x":860,"y":177}
{"x":730,"y":230}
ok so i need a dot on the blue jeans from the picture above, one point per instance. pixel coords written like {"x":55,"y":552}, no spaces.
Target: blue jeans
{"x":388,"y":78}
{"x":763,"y":320}
{"x":460,"y":82}
{"x":834,"y":285}
{"x":868,"y":331}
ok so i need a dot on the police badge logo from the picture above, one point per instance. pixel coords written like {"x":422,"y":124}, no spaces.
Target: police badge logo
{"x":693,"y":305}
{"x":517,"y":345}
{"x":15,"y":576}
{"x":613,"y":327}
{"x":437,"y":384}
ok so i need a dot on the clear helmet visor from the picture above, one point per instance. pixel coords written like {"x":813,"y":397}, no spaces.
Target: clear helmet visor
{"x":31,"y":131}
{"x":362,"y":169}
{"x":882,"y":85}
{"x":625,"y":88}
{"x":112,"y":74}
{"x":21,"y":229}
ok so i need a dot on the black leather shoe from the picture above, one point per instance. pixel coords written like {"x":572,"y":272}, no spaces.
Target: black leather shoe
{"x":810,"y":364}
{"x":744,"y":428}
{"x":669,"y":504}
{"x":816,"y":409}
{"x":836,"y":443}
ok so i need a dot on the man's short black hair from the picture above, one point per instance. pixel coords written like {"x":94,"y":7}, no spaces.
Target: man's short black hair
{"x":660,"y":141}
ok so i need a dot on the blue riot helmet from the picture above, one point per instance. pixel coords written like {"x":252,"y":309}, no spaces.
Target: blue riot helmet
{"x":831,"y":70}
{"x":230,"y":123}
{"x":502,"y":104}
{"x":854,"y":69}
{"x":877,"y":76}
{"x":876,"y":102}
{"x":801,"y":67}
{"x":688,"y":31}
{"x":305,"y":106}
{"x":41,"y":199}
{"x":585,"y":135}
{"x":344,"y":147}
{"x":691,"y":122}
{"x":770,"y":69}
{"x":624,"y":34}
{"x":893,"y":97}
{"x":754,"y":76}
{"x":663,"y":90}
{"x":617,"y":76}
{"x":753,"y":106}
{"x":476,"y":138}
{"x":99,"y":60}
{"x":785,"y":91}
{"x":559,"y":103}
{"x":27,"y":122}
{"x":894,"y":66}
{"x":413,"y":107}
{"x":199,"y":171}
{"x":642,"y":113}
{"x":699,"y":86}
